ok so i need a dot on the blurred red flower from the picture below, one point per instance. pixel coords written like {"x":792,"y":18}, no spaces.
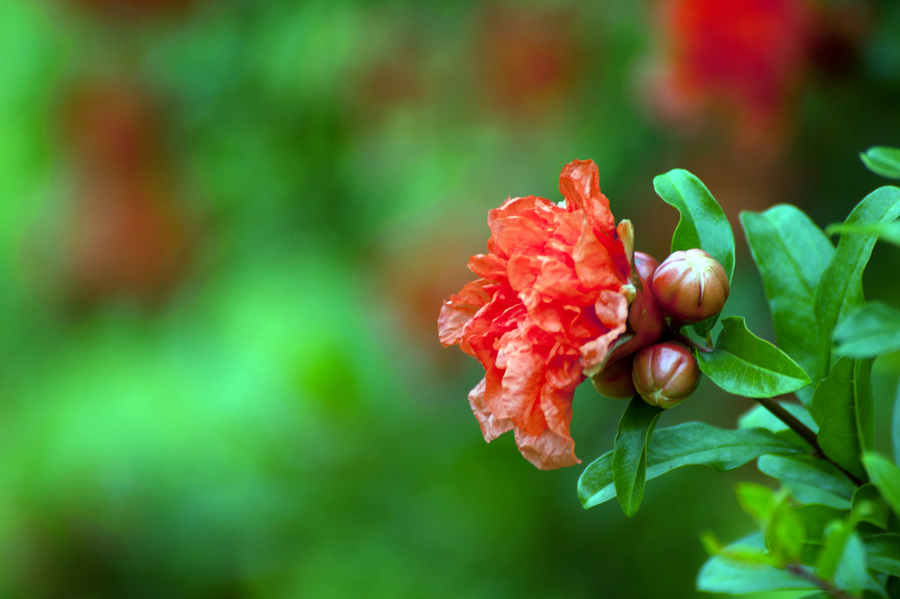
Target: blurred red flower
{"x":552,"y":299}
{"x":743,"y":59}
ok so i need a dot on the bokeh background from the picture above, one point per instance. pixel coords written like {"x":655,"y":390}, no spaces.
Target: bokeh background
{"x":226,"y":227}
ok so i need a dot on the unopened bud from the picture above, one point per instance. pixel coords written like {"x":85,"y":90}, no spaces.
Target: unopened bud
{"x":665,"y":374}
{"x":615,"y":380}
{"x":691,"y":286}
{"x":646,"y":319}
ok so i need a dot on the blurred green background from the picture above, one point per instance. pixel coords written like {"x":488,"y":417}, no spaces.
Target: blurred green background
{"x":226,"y":228}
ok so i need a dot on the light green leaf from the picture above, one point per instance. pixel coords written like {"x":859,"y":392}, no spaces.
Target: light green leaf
{"x":756,"y":500}
{"x":872,"y":330}
{"x":852,"y":570}
{"x":688,"y":444}
{"x":759,"y":417}
{"x":629,"y":458}
{"x":883,"y":161}
{"x":791,"y":253}
{"x":843,"y":408}
{"x":895,"y":426}
{"x":836,"y":537}
{"x":840,"y":291}
{"x":702,"y":225}
{"x":744,"y":364}
{"x":887,"y":231}
{"x":886,"y":476}
{"x":785,"y":532}
{"x":724,"y":574}
{"x":808,"y":470}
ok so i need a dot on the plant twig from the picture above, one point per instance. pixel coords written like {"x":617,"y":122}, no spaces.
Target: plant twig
{"x":799,"y":571}
{"x":780,"y":412}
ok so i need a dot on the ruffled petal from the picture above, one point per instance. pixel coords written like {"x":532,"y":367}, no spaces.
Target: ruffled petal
{"x":459,"y":309}
{"x":491,"y":426}
{"x":612,"y":310}
{"x":548,"y":450}
{"x":579,"y":184}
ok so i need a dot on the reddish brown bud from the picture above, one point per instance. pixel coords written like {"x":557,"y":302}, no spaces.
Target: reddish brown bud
{"x":646,"y":319}
{"x":615,"y":380}
{"x":690,"y":286}
{"x":665,"y":374}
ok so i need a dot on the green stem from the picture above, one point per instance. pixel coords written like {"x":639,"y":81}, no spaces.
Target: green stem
{"x":804,"y":431}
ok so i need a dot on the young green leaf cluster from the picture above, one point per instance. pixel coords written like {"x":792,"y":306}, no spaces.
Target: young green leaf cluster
{"x":833,"y":526}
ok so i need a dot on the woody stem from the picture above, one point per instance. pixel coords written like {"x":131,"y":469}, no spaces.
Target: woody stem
{"x":801,"y":429}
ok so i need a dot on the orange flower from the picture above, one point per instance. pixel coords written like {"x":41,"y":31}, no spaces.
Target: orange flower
{"x":551,"y":301}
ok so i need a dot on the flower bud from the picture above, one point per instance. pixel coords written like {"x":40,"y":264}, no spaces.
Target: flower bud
{"x":646,"y":319}
{"x":690,"y":286}
{"x":665,"y":374}
{"x":615,"y":380}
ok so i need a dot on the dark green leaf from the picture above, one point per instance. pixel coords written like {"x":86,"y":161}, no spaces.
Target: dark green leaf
{"x":840,"y":291}
{"x":886,"y":476}
{"x":808,"y":470}
{"x":869,"y":506}
{"x":688,"y":444}
{"x":703,"y":224}
{"x":884,"y":552}
{"x":629,"y":458}
{"x":791,"y":253}
{"x":744,"y":364}
{"x":843,"y":408}
{"x":725,"y":574}
{"x":869,"y":332}
{"x":882,"y":161}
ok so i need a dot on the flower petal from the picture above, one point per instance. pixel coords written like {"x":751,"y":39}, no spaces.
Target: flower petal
{"x":579,"y":183}
{"x":459,"y":309}
{"x":491,"y":426}
{"x":548,"y":450}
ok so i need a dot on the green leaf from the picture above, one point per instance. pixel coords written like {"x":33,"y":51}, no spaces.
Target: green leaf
{"x":759,"y":417}
{"x":843,"y":408}
{"x":744,"y":364}
{"x":895,"y":426}
{"x":756,"y":500}
{"x":808,"y":470}
{"x":835,"y":538}
{"x":852,"y":569}
{"x":702,"y":225}
{"x":840,"y":291}
{"x":869,"y":332}
{"x":791,"y":253}
{"x":688,"y":444}
{"x":725,"y":574}
{"x":886,"y":476}
{"x":629,"y":458}
{"x":869,"y":506}
{"x":888,"y":232}
{"x":882,"y":161}
{"x":884,"y":552}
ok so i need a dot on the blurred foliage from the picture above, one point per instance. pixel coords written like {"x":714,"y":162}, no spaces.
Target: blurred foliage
{"x":266,"y":412}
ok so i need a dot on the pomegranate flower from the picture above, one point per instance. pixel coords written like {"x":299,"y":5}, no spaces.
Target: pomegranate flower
{"x":550,"y":303}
